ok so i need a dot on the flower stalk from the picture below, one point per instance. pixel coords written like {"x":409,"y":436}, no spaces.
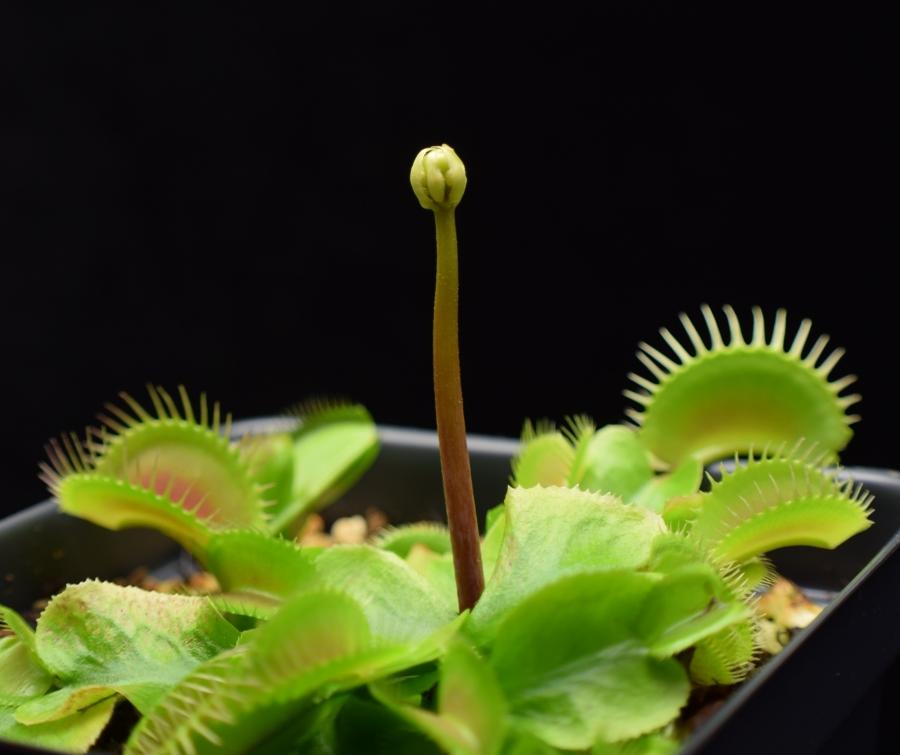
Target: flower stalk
{"x":438,"y":178}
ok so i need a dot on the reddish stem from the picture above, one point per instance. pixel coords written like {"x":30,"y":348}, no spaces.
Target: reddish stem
{"x":451,"y":425}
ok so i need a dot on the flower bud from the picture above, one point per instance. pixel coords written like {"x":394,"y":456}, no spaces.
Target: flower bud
{"x":438,"y":178}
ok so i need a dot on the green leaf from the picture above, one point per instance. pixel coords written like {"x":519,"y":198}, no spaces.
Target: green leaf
{"x":186,"y":718}
{"x":21,"y":678}
{"x":245,"y":561}
{"x":271,"y":464}
{"x":523,"y":743}
{"x":319,"y":645}
{"x":471,"y":711}
{"x":247,"y":604}
{"x":22,"y":673}
{"x":61,"y":703}
{"x":545,"y":458}
{"x":551,"y":532}
{"x":365,"y":727}
{"x":11,"y":620}
{"x":680,"y":512}
{"x":437,"y":570}
{"x":492,"y":543}
{"x":492,"y":516}
{"x":726,"y":656}
{"x":134,"y":642}
{"x":676,"y":553}
{"x":333,"y":446}
{"x":613,"y":461}
{"x":187,"y":464}
{"x":575,"y":669}
{"x":579,"y":431}
{"x":401,"y":540}
{"x":673,"y":550}
{"x":683,"y":481}
{"x":400,"y":605}
{"x":238,"y":700}
{"x":312,"y":732}
{"x":758,"y":572}
{"x":117,"y":505}
{"x":317,"y":638}
{"x":651,"y":744}
{"x":726,"y":398}
{"x":685,"y":607}
{"x":469,"y":693}
{"x":75,"y":733}
{"x":779,"y":501}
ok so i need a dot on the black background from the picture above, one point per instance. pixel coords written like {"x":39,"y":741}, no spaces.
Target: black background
{"x":219,"y":197}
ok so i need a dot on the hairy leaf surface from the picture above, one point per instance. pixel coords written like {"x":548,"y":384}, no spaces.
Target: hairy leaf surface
{"x":400,"y":605}
{"x":134,"y":642}
{"x":256,"y":562}
{"x":551,"y":532}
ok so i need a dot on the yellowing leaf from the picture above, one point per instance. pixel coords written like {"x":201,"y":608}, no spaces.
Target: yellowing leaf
{"x":135,"y":642}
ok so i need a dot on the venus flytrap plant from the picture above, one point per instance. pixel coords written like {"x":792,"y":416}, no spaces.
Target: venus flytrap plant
{"x":177,"y":469}
{"x":727,"y":398}
{"x":776,"y":501}
{"x":785,"y":497}
{"x":609,"y":583}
